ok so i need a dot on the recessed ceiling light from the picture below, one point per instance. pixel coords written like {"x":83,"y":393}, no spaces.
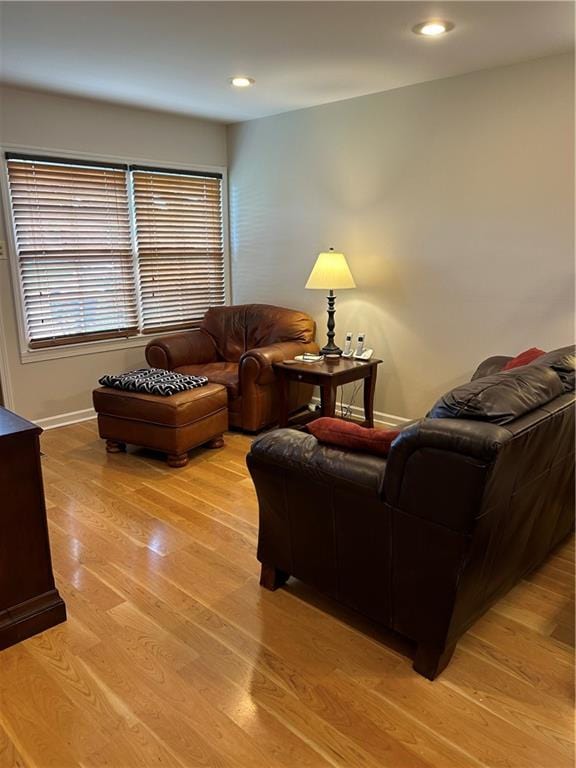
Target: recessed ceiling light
{"x":242,"y":82}
{"x":433,"y":28}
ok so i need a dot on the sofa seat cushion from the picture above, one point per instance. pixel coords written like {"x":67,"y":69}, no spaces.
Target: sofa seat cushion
{"x":500,"y":398}
{"x":179,"y":410}
{"x":222,"y":373}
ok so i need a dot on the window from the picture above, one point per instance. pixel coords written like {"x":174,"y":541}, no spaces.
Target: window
{"x":179,"y":242}
{"x":106,"y":251}
{"x":75,"y":260}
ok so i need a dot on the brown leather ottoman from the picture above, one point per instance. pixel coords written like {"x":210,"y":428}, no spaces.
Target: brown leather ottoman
{"x":172,"y":425}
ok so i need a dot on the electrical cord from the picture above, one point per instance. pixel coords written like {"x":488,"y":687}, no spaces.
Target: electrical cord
{"x":346,"y":412}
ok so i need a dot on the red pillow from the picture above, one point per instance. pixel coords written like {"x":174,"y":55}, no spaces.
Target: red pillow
{"x":346,"y":434}
{"x":528,"y":356}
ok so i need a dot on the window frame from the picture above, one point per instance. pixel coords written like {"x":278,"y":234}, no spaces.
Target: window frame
{"x":28,"y":355}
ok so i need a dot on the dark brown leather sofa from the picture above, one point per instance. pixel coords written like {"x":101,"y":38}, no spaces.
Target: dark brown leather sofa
{"x":469,"y":500}
{"x":236,"y":346}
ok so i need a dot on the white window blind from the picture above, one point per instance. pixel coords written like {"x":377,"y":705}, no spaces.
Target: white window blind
{"x":179,"y":245}
{"x":74,"y":248}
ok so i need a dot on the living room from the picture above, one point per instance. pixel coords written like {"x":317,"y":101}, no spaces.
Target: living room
{"x":236,"y":557}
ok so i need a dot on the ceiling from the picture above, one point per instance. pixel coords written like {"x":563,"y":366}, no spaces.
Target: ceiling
{"x":178,"y":56}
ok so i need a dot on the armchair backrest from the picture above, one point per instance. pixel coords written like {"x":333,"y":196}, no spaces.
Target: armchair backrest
{"x":242,"y":327}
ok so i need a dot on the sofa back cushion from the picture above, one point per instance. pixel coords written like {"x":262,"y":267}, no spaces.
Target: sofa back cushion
{"x":500,"y":398}
{"x":563,"y":361}
{"x":239,"y":328}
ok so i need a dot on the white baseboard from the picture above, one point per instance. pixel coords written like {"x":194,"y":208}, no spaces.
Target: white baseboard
{"x":63,"y":419}
{"x":73,"y":417}
{"x":380,"y":418}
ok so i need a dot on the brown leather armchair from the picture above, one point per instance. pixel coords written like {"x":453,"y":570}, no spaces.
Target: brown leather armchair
{"x":236,"y":346}
{"x":468,"y":501}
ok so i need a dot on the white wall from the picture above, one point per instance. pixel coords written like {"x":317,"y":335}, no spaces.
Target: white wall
{"x":42,"y":390}
{"x":454,"y":203}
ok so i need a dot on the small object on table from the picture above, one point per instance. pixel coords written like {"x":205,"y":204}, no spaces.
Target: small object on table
{"x":328,"y":375}
{"x":308,"y":357}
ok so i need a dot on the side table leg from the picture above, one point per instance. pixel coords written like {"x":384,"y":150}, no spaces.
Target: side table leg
{"x":283,"y":384}
{"x":369,"y":388}
{"x":328,"y":399}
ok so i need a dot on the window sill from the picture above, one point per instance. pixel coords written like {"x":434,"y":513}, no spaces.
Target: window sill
{"x":88,"y":348}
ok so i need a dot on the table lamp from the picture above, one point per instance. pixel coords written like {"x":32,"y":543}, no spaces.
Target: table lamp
{"x":331,"y":271}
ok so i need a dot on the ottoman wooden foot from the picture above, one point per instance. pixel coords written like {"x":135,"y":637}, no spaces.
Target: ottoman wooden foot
{"x":113,"y":446}
{"x":216,"y":442}
{"x":177,"y":459}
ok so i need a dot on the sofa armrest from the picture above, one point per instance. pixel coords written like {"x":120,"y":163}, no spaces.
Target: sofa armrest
{"x":256,"y":364}
{"x":436,"y":469}
{"x":301,"y":453}
{"x":490,"y":366}
{"x":321,"y":518}
{"x":177,"y":349}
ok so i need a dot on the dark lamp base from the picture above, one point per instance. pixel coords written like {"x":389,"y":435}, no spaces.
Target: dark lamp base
{"x":331,"y":351}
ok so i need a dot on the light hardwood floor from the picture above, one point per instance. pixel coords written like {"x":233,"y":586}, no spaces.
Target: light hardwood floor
{"x":173,"y":656}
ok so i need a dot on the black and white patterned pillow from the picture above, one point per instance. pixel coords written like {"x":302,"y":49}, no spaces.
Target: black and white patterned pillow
{"x":153,"y":381}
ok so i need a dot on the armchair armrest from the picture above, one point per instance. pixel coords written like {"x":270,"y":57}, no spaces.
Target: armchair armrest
{"x":179,"y":349}
{"x":256,"y":364}
{"x":491,"y":365}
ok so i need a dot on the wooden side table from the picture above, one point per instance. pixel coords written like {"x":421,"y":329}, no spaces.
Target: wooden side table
{"x":328,"y":374}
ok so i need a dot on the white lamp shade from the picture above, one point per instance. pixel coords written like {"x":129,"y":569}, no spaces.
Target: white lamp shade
{"x":331,"y":271}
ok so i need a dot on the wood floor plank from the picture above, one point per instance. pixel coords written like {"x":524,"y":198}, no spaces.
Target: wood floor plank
{"x":203,"y":523}
{"x":236,"y":660}
{"x":489,"y":738}
{"x":155,"y":711}
{"x":511,"y":698}
{"x":9,"y":755}
{"x":173,"y":656}
{"x":169,"y":706}
{"x":242,"y":659}
{"x":41,"y":716}
{"x":526,"y":604}
{"x":127,"y":516}
{"x":545,"y":663}
{"x":183,"y":494}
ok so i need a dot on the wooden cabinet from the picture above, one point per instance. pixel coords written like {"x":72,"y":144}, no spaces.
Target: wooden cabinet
{"x":29,"y":600}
